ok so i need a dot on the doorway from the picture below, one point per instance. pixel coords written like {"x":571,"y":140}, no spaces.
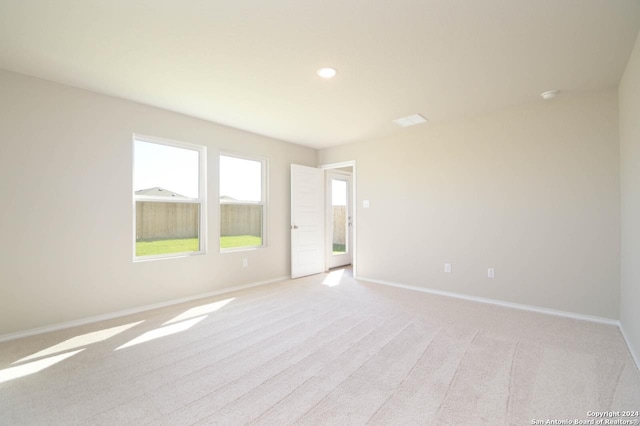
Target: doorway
{"x":339,"y":217}
{"x":323,"y":218}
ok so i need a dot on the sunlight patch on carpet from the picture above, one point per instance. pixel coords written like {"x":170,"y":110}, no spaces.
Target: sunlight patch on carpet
{"x":33,"y":367}
{"x":334,"y":278}
{"x":81,"y":340}
{"x":162,"y":332}
{"x":200,"y":310}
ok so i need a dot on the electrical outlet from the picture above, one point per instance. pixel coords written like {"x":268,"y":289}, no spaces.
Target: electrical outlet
{"x":491,"y":273}
{"x":447,"y":268}
{"x":245,"y":262}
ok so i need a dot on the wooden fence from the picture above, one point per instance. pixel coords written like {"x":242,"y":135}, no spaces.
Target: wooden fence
{"x":163,"y":221}
{"x":240,"y":220}
{"x":339,"y":224}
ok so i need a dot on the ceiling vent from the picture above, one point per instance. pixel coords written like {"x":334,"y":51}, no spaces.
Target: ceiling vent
{"x":410,"y":120}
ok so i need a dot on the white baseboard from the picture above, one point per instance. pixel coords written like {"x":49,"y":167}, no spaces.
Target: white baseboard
{"x":498,"y":302}
{"x":634,"y":355}
{"x":89,"y":320}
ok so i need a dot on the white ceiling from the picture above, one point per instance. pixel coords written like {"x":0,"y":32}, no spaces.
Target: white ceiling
{"x":251,"y":64}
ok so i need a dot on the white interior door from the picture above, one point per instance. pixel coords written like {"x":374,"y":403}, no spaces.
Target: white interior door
{"x":307,"y":221}
{"x":339,"y":223}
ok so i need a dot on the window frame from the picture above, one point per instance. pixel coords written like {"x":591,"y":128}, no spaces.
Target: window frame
{"x":201,"y":200}
{"x":264,"y":203}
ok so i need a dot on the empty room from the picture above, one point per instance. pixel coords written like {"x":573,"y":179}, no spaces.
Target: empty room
{"x":420,"y":212}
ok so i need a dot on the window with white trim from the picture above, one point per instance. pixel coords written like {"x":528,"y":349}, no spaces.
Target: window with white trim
{"x":169,"y":198}
{"x":243,"y":206}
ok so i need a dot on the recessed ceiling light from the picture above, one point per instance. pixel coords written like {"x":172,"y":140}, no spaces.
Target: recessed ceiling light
{"x":549,"y":94}
{"x":410,"y":120}
{"x":327,"y":72}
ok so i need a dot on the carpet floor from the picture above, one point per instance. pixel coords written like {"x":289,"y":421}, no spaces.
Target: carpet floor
{"x":325,"y":349}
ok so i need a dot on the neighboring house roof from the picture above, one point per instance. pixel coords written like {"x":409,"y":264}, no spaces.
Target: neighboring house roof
{"x":160,"y":192}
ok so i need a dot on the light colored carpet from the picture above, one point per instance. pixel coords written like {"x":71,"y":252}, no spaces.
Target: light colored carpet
{"x":306,"y":352}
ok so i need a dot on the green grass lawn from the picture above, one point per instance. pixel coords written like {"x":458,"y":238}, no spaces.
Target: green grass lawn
{"x":240,"y":241}
{"x":149,"y":248}
{"x":186,"y":245}
{"x":339,"y":248}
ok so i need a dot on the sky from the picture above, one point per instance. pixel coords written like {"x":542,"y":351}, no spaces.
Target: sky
{"x":176,"y":170}
{"x":171,"y":168}
{"x":240,"y":178}
{"x":338,"y":192}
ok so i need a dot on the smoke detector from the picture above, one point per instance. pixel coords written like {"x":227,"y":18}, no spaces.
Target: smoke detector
{"x":410,"y":120}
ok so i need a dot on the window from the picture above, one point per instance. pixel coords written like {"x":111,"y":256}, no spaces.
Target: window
{"x":242,"y":202}
{"x":169,"y":198}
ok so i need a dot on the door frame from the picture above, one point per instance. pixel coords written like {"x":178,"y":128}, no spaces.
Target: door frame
{"x":354,"y":245}
{"x":347,"y":258}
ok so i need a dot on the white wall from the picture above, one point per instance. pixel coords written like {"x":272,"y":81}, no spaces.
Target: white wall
{"x":66,"y":211}
{"x":629,"y":95}
{"x":531,"y":191}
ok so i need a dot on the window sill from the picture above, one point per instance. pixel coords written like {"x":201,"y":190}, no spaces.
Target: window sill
{"x":142,"y":259}
{"x":236,"y":249}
